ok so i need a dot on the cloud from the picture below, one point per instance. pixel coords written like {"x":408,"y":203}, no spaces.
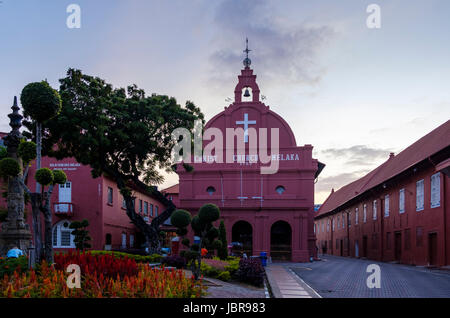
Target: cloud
{"x":339,"y":180}
{"x":360,"y":155}
{"x":281,"y":53}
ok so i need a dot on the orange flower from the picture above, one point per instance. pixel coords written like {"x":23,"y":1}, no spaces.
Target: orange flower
{"x":204,"y":251}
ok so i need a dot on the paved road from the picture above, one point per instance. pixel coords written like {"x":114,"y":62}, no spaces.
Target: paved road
{"x":346,"y":278}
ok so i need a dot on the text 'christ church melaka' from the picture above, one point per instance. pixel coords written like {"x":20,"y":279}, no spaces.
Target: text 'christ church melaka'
{"x":270,"y":213}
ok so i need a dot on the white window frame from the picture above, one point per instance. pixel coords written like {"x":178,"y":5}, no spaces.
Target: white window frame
{"x":435,"y":190}
{"x":374,"y":209}
{"x":420,"y":195}
{"x":401,"y":201}
{"x":110,"y":191}
{"x":59,"y":227}
{"x":123,"y":243}
{"x":386,"y":205}
{"x":364,"y":213}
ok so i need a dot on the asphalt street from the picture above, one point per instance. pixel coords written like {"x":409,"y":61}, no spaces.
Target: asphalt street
{"x":342,"y":277}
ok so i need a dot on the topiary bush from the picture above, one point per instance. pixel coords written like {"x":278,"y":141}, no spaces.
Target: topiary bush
{"x":59,"y":177}
{"x":9,"y":167}
{"x":3,"y":152}
{"x":209,"y":213}
{"x":186,"y":242}
{"x":180,"y":218}
{"x":44,"y":176}
{"x":27,"y":151}
{"x":40,"y":101}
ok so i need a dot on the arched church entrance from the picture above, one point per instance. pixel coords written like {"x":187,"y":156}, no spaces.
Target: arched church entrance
{"x":242,"y":232}
{"x":281,"y":241}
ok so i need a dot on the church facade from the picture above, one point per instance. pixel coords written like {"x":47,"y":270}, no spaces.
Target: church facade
{"x":266,"y":212}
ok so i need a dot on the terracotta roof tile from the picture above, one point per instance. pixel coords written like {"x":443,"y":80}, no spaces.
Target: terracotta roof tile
{"x":426,"y":146}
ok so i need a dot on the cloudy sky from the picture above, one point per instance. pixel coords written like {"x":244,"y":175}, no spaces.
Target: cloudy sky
{"x":356,"y":94}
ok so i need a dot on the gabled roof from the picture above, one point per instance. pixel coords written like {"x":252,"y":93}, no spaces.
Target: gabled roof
{"x":425,"y":147}
{"x":175,"y":189}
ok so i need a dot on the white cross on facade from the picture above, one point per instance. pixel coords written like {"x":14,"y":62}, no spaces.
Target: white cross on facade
{"x":246,"y":122}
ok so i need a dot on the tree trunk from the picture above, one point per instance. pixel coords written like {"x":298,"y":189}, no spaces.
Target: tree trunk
{"x":37,"y":236}
{"x":150,"y":231}
{"x":48,"y":238}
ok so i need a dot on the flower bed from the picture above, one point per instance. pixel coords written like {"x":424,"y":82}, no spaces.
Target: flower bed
{"x":101,"y":276}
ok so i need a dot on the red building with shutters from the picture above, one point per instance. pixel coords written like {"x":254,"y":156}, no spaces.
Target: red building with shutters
{"x":400,"y":211}
{"x":97,"y":200}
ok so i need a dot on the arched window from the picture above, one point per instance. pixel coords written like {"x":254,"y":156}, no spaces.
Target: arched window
{"x":108,"y":240}
{"x":62,"y":235}
{"x":280,"y":189}
{"x":210,"y":190}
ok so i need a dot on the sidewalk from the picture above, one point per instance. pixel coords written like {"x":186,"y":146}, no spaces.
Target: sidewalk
{"x":285,"y":284}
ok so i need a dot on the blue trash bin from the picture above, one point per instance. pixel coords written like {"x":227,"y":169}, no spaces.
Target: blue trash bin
{"x":263,"y":257}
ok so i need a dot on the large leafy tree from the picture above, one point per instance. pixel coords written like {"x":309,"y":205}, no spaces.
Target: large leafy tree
{"x":120,"y":133}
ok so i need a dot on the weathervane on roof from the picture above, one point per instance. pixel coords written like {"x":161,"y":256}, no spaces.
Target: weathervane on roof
{"x":247,"y":61}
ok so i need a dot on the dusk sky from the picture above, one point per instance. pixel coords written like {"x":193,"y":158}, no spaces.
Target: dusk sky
{"x":356,"y":94}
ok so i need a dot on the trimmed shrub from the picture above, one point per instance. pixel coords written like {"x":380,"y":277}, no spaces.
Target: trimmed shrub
{"x":174,"y":261}
{"x":27,"y":151}
{"x":180,"y":218}
{"x":209,"y":213}
{"x":217,"y":244}
{"x":186,"y":242}
{"x":44,"y":176}
{"x":3,"y":152}
{"x":59,"y":177}
{"x":251,"y":271}
{"x":9,"y":167}
{"x":40,"y":101}
{"x":10,"y":265}
{"x":225,"y":276}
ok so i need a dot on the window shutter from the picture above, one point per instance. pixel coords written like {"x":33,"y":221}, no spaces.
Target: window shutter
{"x":435,"y":190}
{"x":419,"y":195}
{"x":386,"y":205}
{"x":401,"y":201}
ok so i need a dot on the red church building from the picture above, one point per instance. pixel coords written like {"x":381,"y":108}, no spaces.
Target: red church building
{"x":270,"y":213}
{"x":399,"y":212}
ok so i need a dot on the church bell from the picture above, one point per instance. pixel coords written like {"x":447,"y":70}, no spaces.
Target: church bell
{"x":247,"y":93}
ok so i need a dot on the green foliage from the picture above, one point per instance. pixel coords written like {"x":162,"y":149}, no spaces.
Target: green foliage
{"x":195,"y":247}
{"x":44,"y":176}
{"x":9,"y":265}
{"x":190,"y":255}
{"x":59,"y":177}
{"x":27,"y":151}
{"x":223,"y":250}
{"x":40,"y":101}
{"x":3,"y":152}
{"x":212,"y":234}
{"x":225,"y":276}
{"x":209,"y":213}
{"x":217,"y":244}
{"x":126,"y":134}
{"x":186,"y":242}
{"x":81,"y":234}
{"x":196,"y":225}
{"x":233,"y":264}
{"x":180,"y":218}
{"x":9,"y":167}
